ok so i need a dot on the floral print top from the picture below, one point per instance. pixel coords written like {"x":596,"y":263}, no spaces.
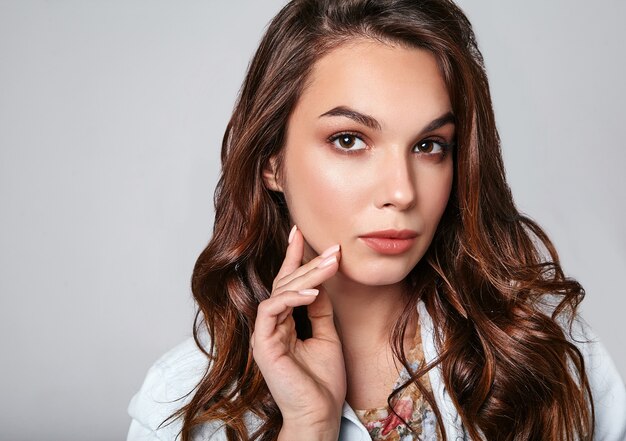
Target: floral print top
{"x":382,"y":424}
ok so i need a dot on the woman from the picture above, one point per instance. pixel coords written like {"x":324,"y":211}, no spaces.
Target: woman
{"x":369,"y":275}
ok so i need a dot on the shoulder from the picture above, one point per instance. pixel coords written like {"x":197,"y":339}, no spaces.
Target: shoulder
{"x":607,"y":387}
{"x":169,"y":384}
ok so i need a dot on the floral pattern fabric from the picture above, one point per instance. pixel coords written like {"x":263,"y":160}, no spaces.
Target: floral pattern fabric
{"x":384,"y":425}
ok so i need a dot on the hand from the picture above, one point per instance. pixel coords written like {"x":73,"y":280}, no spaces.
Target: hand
{"x":307,"y":379}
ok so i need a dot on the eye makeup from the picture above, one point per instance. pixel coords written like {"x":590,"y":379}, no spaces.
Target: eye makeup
{"x":344,"y":141}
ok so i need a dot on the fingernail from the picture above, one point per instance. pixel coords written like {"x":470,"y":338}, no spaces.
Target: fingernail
{"x":327,"y":262}
{"x":291,"y":233}
{"x":309,"y":292}
{"x":330,"y":250}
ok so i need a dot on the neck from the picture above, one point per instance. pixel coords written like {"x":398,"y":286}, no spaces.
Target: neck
{"x":364,"y":314}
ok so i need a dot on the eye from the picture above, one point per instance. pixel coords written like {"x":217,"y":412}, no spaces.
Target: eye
{"x":432,"y":147}
{"x":347,"y":141}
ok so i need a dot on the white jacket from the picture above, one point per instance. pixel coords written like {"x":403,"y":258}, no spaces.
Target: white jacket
{"x":178,"y":371}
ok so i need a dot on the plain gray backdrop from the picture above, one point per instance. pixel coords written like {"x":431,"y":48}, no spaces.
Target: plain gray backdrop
{"x":111,"y":119}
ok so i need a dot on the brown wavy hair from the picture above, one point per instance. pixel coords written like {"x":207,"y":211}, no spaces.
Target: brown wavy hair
{"x":491,"y":279}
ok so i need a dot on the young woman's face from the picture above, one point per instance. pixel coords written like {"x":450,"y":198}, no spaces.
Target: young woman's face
{"x":365,"y":152}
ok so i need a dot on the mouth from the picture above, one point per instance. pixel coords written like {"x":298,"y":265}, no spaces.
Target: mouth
{"x":390,"y":241}
{"x":392,"y":234}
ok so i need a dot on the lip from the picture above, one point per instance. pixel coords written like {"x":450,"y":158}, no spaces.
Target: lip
{"x":392,"y":234}
{"x":390,"y":241}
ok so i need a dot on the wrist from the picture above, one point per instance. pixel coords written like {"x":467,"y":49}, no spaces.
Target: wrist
{"x":302,"y":431}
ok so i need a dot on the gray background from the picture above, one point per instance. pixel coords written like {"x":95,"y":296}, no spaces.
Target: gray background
{"x":111,"y":117}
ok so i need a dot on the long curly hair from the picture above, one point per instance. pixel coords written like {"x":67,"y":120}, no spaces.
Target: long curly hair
{"x":491,"y":279}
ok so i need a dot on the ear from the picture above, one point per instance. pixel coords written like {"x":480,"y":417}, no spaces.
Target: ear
{"x":270,"y":175}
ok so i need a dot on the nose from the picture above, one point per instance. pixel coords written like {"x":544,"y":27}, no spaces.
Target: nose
{"x":395,"y":183}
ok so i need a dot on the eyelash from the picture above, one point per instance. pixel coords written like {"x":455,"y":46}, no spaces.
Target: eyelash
{"x":445,"y":146}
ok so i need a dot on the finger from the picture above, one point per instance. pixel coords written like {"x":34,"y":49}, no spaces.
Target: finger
{"x":312,"y":264}
{"x":320,"y":314}
{"x":283,"y":316}
{"x":314,"y":277}
{"x":293,"y":255}
{"x":270,"y":309}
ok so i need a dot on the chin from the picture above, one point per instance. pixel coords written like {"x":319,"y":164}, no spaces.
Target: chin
{"x":380,"y":275}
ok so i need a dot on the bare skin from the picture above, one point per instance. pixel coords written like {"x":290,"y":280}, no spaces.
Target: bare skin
{"x":396,"y":176}
{"x":302,"y":373}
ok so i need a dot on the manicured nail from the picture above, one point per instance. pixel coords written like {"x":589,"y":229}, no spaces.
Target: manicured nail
{"x":330,"y":250}
{"x":327,"y":262}
{"x":291,"y":233}
{"x":309,"y":292}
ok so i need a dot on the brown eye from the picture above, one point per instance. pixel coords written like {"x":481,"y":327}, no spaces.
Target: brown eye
{"x":347,"y":141}
{"x":429,"y":145}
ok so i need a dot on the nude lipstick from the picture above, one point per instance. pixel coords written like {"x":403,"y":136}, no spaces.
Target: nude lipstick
{"x":390,"y":241}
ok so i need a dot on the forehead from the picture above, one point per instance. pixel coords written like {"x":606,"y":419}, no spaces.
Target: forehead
{"x":388,"y":81}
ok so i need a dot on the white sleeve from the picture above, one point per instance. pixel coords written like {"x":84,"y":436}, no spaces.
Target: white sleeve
{"x":151,"y":405}
{"x":167,"y":387}
{"x":139,"y":432}
{"x":607,"y":386}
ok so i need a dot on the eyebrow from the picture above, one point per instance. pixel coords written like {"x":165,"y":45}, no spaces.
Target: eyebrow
{"x":372,"y":123}
{"x":361,"y":118}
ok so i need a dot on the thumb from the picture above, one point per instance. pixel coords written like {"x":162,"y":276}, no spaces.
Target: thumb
{"x":320,"y":313}
{"x":293,"y":256}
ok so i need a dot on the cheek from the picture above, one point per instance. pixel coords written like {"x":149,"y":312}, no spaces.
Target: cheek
{"x":321,"y":197}
{"x":434,"y":193}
